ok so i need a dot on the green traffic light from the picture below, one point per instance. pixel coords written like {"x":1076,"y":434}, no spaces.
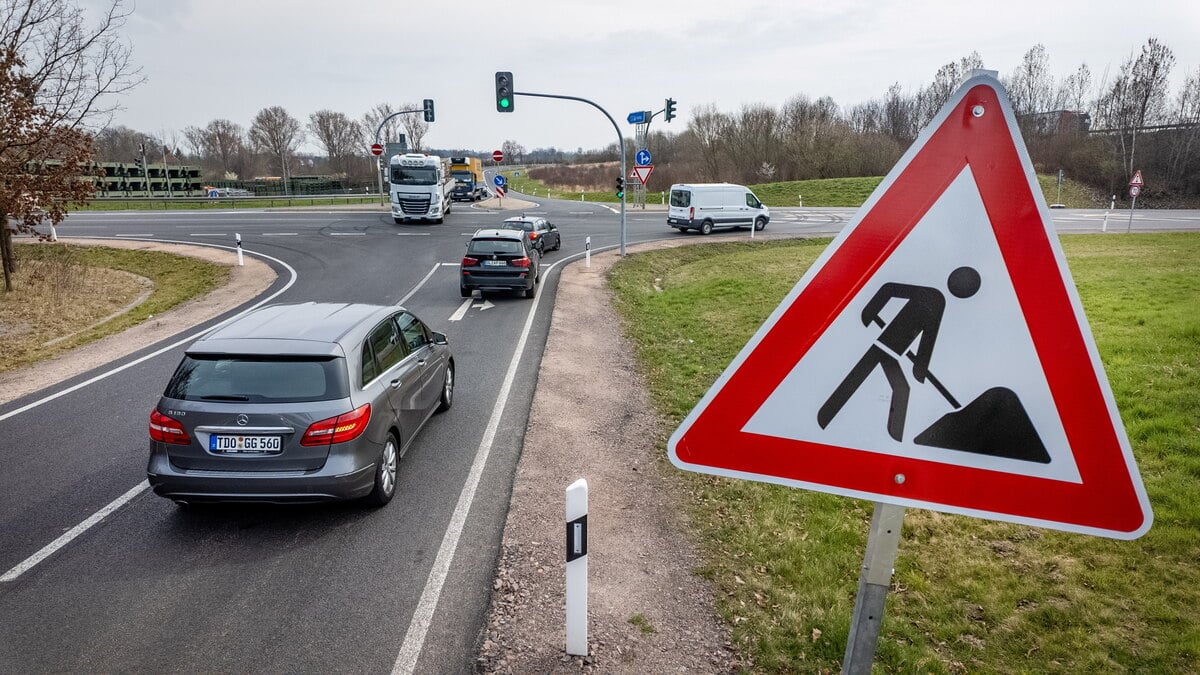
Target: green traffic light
{"x":620,"y":194}
{"x":503,"y":103}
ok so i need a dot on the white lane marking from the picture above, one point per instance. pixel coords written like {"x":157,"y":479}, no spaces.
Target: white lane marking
{"x":70,"y":534}
{"x":416,"y":288}
{"x":347,"y":234}
{"x":412,"y":234}
{"x":209,"y":234}
{"x":610,"y":208}
{"x":278,"y":234}
{"x":79,"y":529}
{"x":133,"y":235}
{"x":462,"y":310}
{"x":450,"y":264}
{"x":418,"y":627}
{"x":581,"y":213}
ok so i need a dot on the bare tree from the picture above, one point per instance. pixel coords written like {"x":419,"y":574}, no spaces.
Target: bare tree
{"x":415,"y":126}
{"x":513,"y":151}
{"x":1137,"y":97}
{"x":340,"y":136}
{"x":276,"y":133}
{"x":220,"y":145}
{"x":709,"y":128}
{"x":121,"y":144}
{"x":373,"y":117}
{"x":1031,"y":86}
{"x":1075,"y":90}
{"x":56,"y":76}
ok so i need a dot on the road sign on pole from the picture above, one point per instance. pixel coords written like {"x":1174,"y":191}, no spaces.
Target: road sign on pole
{"x":497,"y":156}
{"x":641,"y":173}
{"x":1009,"y":417}
{"x":1136,"y":181}
{"x":377,"y":149}
{"x":642,"y":158}
{"x":499,"y":180}
{"x":637,"y":117}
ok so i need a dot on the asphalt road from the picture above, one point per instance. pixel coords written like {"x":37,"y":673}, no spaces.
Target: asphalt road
{"x":333,"y":588}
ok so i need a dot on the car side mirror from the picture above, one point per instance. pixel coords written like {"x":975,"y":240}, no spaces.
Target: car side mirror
{"x":439,"y":338}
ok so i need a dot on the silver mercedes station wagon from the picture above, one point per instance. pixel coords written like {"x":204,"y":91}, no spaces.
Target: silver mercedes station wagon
{"x":299,"y":403}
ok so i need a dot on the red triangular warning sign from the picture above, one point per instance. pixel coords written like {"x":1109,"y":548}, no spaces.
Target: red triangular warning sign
{"x":936,"y":355}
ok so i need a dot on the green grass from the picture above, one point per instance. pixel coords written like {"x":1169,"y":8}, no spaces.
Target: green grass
{"x":191,"y":203}
{"x":843,"y":192}
{"x":176,"y":279}
{"x":969,"y":595}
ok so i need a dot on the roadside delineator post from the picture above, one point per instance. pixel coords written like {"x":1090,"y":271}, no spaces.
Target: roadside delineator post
{"x":238,"y":238}
{"x":587,"y":252}
{"x":577,"y":506}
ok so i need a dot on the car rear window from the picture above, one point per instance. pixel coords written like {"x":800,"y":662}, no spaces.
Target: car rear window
{"x":681,"y":198}
{"x":494,"y":247}
{"x":258,"y":379}
{"x":518,"y":225}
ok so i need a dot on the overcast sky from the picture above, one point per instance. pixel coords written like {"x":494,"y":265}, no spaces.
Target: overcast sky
{"x":231,"y":58}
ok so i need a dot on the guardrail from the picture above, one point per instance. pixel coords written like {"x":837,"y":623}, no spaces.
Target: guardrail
{"x":241,"y":201}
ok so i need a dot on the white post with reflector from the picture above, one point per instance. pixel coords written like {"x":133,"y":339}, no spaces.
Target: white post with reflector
{"x":238,"y":238}
{"x":577,"y":507}
{"x":587,"y":252}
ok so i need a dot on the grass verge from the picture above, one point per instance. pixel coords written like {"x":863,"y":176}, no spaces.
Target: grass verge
{"x":969,"y":595}
{"x":63,"y":294}
{"x":195,"y":203}
{"x":841,"y":192}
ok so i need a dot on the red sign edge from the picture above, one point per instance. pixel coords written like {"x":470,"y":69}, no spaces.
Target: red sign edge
{"x":1133,"y":490}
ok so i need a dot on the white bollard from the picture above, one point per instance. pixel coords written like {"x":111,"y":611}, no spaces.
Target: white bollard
{"x":238,"y":238}
{"x":587,"y":252}
{"x":580,"y":196}
{"x":577,"y":507}
{"x":801,"y":198}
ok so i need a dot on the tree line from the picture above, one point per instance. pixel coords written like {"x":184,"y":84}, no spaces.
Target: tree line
{"x":1098,"y":130}
{"x":270,"y":145}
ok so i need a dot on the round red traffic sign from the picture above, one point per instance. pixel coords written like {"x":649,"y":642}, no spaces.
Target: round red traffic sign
{"x":1135,"y":190}
{"x":497,"y":156}
{"x":377,"y":149}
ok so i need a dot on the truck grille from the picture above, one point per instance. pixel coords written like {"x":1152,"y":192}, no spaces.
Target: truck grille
{"x":414,"y":205}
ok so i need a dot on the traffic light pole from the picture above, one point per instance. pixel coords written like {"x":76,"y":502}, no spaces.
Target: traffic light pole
{"x":620,"y":144}
{"x":383,"y":160}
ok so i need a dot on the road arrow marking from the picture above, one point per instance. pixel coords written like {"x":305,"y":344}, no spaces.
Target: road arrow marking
{"x":484,"y":305}
{"x":462,"y":310}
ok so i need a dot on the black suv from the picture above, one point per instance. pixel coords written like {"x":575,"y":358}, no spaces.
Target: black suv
{"x":499,"y":260}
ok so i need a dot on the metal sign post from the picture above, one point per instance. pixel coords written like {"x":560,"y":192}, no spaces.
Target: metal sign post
{"x":873,"y":583}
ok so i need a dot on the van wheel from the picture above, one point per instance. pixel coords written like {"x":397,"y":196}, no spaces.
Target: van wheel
{"x":706,"y":227}
{"x":759,"y":224}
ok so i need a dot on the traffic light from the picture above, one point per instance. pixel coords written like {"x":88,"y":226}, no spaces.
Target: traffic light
{"x":670,"y":110}
{"x":428,"y":110}
{"x":504,"y":92}
{"x":620,"y":187}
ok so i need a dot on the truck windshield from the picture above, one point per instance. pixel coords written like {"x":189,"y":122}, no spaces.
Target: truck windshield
{"x":409,"y":175}
{"x":464,"y":176}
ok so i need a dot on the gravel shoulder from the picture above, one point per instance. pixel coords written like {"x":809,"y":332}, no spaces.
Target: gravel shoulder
{"x":648,"y":612}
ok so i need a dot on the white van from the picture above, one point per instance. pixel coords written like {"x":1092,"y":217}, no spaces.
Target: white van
{"x":704,"y":206}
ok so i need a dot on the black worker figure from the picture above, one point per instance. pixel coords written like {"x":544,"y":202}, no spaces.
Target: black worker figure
{"x":917,"y":320}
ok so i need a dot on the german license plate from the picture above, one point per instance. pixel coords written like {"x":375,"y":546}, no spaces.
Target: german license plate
{"x":495,"y":263}
{"x":236,"y":445}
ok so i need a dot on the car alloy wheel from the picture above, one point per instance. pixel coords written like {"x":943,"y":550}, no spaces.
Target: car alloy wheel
{"x":385,"y":473}
{"x":447,"y":390}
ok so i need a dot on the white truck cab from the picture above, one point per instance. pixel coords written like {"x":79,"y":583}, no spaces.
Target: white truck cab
{"x":420,"y":187}
{"x":707,"y":206}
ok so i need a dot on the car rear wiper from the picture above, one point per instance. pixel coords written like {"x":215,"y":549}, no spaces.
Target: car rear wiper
{"x":224,"y":398}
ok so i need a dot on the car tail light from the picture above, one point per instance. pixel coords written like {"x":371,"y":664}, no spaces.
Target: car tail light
{"x":468,"y":261}
{"x":521,"y":262}
{"x":167,"y":430}
{"x":344,"y":427}
{"x":691,"y":213}
{"x":532,"y":236}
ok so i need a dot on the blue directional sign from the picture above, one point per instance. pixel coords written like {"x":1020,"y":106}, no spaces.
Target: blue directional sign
{"x":499,"y":180}
{"x":642,"y":157}
{"x":638,"y":117}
